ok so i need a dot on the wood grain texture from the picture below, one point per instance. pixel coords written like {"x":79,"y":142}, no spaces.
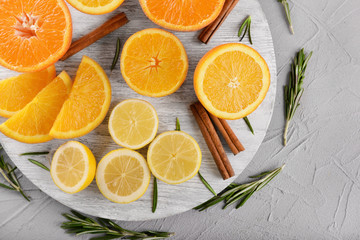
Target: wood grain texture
{"x":172,"y":199}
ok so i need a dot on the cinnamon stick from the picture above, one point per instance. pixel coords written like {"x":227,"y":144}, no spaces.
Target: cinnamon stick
{"x":109,"y":26}
{"x":228,"y":134}
{"x":211,"y":136}
{"x":209,"y":31}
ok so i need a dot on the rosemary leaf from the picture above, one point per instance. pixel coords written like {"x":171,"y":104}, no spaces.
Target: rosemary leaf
{"x":7,"y":187}
{"x":287,"y":12}
{"x":117,"y":53}
{"x":39,"y":164}
{"x":207,"y":185}
{"x":80,"y":225}
{"x":155,"y":195}
{"x":247,"y":121}
{"x":34,"y":153}
{"x":177,"y":125}
{"x":294,"y":90}
{"x":244,"y":29}
{"x":240,"y":192}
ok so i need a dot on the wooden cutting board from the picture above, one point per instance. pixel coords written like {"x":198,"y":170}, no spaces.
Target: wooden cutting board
{"x":173,"y":199}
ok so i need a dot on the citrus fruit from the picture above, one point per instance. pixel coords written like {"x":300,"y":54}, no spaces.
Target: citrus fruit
{"x":95,"y":7}
{"x":231,"y":80}
{"x":73,"y":167}
{"x":174,"y":157}
{"x":18,"y":91}
{"x":32,"y":124}
{"x":190,"y":15}
{"x":154,"y":62}
{"x":34,"y":34}
{"x":123,"y":176}
{"x":87,"y":104}
{"x":133,"y":123}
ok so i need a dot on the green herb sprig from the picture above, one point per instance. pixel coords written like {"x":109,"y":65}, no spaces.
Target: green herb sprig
{"x":294,"y":90}
{"x":8,"y":172}
{"x":244,"y":29}
{"x":207,"y":185}
{"x":34,"y":153}
{"x":117,"y":54}
{"x":80,"y":225}
{"x":155,"y":195}
{"x":240,"y":192}
{"x":247,"y":121}
{"x":287,"y":12}
{"x":39,"y":164}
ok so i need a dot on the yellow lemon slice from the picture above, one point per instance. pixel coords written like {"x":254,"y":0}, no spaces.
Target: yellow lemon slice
{"x":174,"y":157}
{"x":73,"y":167}
{"x":123,"y":176}
{"x":133,"y":123}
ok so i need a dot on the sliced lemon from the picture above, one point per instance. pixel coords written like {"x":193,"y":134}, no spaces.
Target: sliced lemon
{"x":174,"y":157}
{"x":133,"y":123}
{"x":73,"y":167}
{"x":123,"y":176}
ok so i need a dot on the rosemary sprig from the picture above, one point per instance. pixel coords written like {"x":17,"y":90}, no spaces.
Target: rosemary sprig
{"x":207,"y":185}
{"x":245,"y":28}
{"x":177,"y":125}
{"x":8,"y":172}
{"x":287,"y":12}
{"x":117,"y":53}
{"x":39,"y":164}
{"x":240,"y":192}
{"x":294,"y":90}
{"x":155,"y":196}
{"x":80,"y":225}
{"x":247,"y":121}
{"x":34,"y":153}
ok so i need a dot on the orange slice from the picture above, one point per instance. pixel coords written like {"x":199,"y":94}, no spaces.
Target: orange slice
{"x":34,"y":34}
{"x":18,"y":91}
{"x":87,"y":104}
{"x":95,"y":7}
{"x":32,"y":124}
{"x":189,"y":15}
{"x":154,"y":62}
{"x":231,"y":80}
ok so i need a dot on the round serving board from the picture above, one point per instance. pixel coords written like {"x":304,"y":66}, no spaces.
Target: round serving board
{"x":172,"y":199}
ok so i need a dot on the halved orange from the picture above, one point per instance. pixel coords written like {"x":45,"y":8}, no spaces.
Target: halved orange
{"x":154,"y":62}
{"x":32,"y":124}
{"x":189,"y":15}
{"x":231,"y":80}
{"x":95,"y":7}
{"x":34,"y":34}
{"x":18,"y":91}
{"x":88,"y":103}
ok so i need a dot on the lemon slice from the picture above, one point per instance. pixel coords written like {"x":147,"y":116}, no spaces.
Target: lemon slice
{"x":174,"y":157}
{"x":73,"y":167}
{"x":123,"y":176}
{"x":133,"y":123}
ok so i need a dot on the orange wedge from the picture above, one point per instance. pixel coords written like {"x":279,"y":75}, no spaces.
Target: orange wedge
{"x":189,"y":15}
{"x":18,"y":91}
{"x":87,"y":104}
{"x":34,"y":34}
{"x":95,"y":7}
{"x":231,"y":80}
{"x":154,"y":62}
{"x":32,"y":124}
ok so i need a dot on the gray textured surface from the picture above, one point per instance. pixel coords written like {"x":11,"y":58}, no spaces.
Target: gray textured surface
{"x":172,"y":199}
{"x":317,"y":195}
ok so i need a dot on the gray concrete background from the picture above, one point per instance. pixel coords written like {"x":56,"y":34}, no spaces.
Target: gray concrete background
{"x":317,"y":195}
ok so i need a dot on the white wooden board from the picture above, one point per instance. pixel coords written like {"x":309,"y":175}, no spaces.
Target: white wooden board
{"x":172,"y":199}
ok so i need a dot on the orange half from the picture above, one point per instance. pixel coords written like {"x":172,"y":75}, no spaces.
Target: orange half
{"x":154,"y":62}
{"x":33,"y":123}
{"x":34,"y":33}
{"x":231,"y":80}
{"x":184,"y":15}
